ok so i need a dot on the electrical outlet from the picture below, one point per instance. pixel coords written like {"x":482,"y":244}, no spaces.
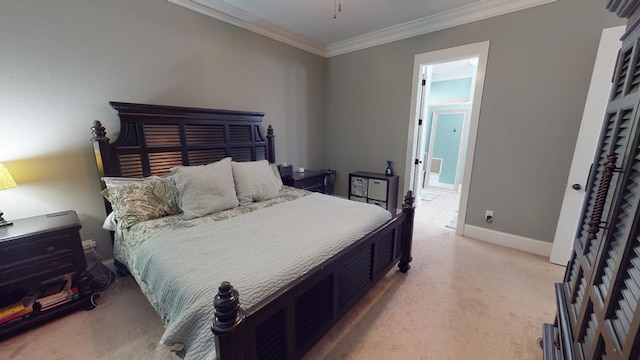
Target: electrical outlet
{"x":88,"y":244}
{"x":488,"y":216}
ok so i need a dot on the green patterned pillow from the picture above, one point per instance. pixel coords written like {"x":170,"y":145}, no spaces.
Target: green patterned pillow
{"x":140,"y":201}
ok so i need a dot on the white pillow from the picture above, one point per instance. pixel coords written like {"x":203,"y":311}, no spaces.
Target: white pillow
{"x":205,"y":189}
{"x":276,"y":172}
{"x":255,"y":181}
{"x":110,"y":222}
{"x":111,"y":181}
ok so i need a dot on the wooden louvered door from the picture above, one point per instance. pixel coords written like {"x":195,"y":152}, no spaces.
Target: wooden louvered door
{"x":598,"y":315}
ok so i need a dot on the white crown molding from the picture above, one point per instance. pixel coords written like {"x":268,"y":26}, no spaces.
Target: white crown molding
{"x":238,"y":17}
{"x":481,"y":10}
{"x":460,"y":16}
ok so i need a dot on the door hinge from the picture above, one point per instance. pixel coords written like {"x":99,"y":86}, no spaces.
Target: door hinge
{"x":416,"y":162}
{"x":424,"y":82}
{"x":419,"y":122}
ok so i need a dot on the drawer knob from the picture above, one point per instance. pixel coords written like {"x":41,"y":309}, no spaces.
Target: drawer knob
{"x":50,"y":249}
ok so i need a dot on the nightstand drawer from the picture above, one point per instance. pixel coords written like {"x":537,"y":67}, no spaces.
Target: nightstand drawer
{"x":35,"y":248}
{"x":51,"y":265}
{"x":309,"y":183}
{"x":309,"y":180}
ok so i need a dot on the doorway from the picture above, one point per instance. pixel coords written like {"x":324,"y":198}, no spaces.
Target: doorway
{"x":432,"y":114}
{"x":443,"y":151}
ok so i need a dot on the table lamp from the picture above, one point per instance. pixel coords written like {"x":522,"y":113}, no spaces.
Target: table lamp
{"x":6,"y":182}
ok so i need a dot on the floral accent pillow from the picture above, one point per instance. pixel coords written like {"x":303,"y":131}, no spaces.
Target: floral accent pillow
{"x":140,"y":201}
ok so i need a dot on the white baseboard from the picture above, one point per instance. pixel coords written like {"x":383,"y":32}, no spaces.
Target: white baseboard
{"x":509,"y":240}
{"x":109,"y":263}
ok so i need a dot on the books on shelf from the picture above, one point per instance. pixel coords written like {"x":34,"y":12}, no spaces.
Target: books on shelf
{"x":11,"y":309}
{"x":17,"y":310}
{"x":50,"y":294}
{"x":56,"y":293}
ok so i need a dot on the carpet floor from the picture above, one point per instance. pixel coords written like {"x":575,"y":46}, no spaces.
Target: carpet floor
{"x":462,"y":299}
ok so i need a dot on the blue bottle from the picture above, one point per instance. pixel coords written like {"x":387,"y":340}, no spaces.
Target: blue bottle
{"x":389,"y":171}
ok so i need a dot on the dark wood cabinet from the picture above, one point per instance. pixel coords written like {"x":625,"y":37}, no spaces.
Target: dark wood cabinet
{"x":597,"y":302}
{"x":372,"y":188}
{"x":317,"y":181}
{"x":36,"y":251}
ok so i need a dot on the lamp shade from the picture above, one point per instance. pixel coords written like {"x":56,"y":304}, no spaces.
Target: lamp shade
{"x":6,"y":181}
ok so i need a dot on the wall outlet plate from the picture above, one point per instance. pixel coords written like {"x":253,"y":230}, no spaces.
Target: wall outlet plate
{"x":488,"y":216}
{"x":88,"y":244}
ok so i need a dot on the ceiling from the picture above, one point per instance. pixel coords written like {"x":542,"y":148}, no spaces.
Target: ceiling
{"x":310,"y":25}
{"x":455,"y":69}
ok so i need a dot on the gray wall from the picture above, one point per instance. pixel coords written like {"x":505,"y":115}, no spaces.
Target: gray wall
{"x":537,"y":77}
{"x":62,"y":61}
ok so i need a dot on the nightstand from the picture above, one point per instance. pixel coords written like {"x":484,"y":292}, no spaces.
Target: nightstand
{"x":36,"y":253}
{"x":318,"y":181}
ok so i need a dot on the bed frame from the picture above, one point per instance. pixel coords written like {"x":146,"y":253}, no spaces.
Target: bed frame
{"x":288,"y":323}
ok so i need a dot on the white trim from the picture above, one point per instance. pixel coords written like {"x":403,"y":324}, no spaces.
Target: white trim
{"x":460,"y":16}
{"x":480,"y":10}
{"x":481,"y":50}
{"x":238,"y":17}
{"x":585,"y":149}
{"x":423,"y":108}
{"x":449,"y":102}
{"x":534,"y":246}
{"x":110,"y":264}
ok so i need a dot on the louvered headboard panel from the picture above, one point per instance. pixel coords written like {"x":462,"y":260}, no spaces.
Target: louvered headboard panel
{"x":155,"y":138}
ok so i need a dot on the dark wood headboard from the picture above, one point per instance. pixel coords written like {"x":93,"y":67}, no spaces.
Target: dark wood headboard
{"x":155,"y":138}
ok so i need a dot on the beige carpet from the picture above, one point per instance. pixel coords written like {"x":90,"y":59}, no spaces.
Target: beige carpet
{"x":462,"y":299}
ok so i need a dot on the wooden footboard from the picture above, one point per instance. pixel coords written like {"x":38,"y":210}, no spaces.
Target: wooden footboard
{"x":287,"y":324}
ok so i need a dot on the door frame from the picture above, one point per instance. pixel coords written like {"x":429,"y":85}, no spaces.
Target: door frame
{"x":480,"y":50}
{"x":423,"y":110}
{"x":585,"y":149}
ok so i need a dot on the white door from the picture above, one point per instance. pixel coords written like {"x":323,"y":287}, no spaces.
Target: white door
{"x":585,"y":149}
{"x":425,"y":74}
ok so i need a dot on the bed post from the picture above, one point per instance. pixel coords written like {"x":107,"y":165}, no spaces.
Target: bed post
{"x":100,"y":142}
{"x":227,"y":323}
{"x":409,"y":210}
{"x":271,"y":152}
{"x":100,"y":146}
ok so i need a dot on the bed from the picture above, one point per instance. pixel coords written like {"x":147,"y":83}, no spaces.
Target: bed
{"x":254,"y":315}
